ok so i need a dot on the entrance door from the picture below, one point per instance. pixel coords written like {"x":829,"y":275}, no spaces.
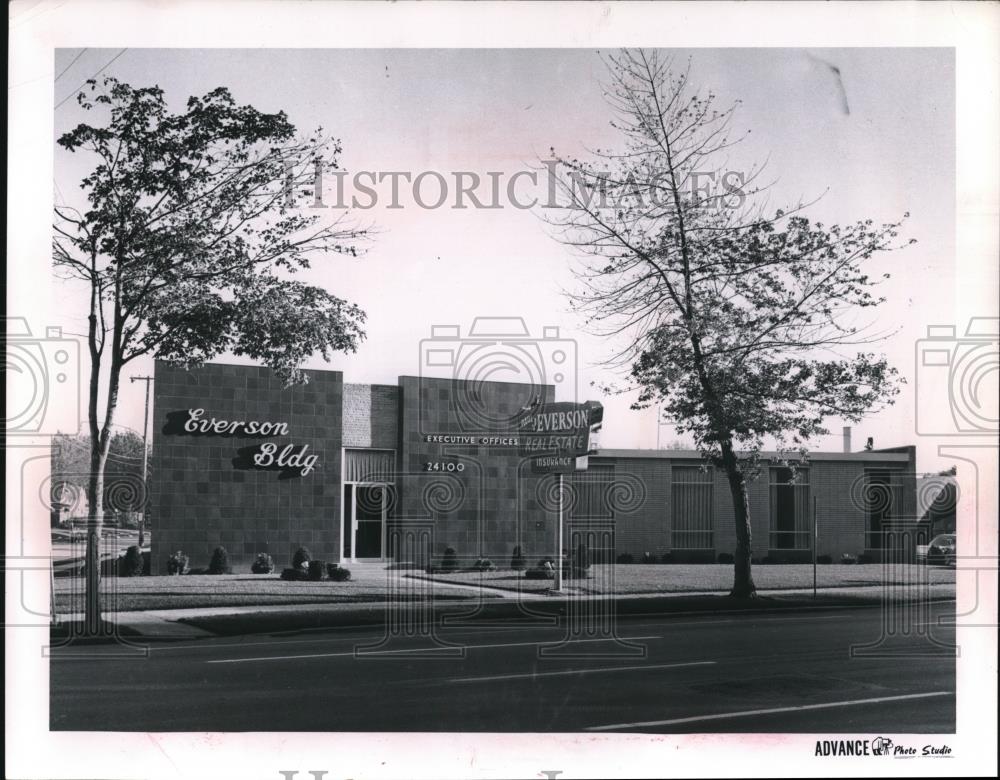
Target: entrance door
{"x":369,"y":508}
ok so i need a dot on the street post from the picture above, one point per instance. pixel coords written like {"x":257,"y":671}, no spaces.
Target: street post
{"x":145,"y":454}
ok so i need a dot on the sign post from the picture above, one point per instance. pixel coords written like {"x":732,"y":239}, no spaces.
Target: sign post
{"x":559,"y":538}
{"x":556,"y":437}
{"x":815,"y":540}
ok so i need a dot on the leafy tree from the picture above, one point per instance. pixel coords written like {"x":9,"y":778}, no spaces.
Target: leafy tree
{"x":743,"y":324}
{"x":188,"y":245}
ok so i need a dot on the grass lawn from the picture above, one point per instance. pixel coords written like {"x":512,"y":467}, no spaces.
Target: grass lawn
{"x":505,"y":579}
{"x":372,"y":584}
{"x":690,"y":578}
{"x":125,"y":594}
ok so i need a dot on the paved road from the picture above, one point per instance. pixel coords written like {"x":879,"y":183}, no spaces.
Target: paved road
{"x":773,"y":672}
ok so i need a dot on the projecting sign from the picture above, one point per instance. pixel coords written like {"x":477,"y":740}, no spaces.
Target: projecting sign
{"x":557,"y":436}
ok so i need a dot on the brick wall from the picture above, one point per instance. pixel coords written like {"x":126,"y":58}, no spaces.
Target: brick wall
{"x":641,"y":505}
{"x":200,"y":499}
{"x":837,"y":487}
{"x":371,"y":416}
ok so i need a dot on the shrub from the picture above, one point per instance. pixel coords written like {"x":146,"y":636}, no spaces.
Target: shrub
{"x":517,"y":560}
{"x":146,"y":563}
{"x":824,"y":559}
{"x":848,"y":558}
{"x":726,"y":558}
{"x":316,"y":569}
{"x":648,"y":557}
{"x":667,"y":558}
{"x":301,"y":558}
{"x":293,"y":574}
{"x":220,"y":562}
{"x":544,"y":571}
{"x":866,"y":558}
{"x":112,"y":567}
{"x":263,"y":564}
{"x":338,"y":573}
{"x":766,"y":560}
{"x":132,"y":562}
{"x":580,"y":564}
{"x":177,"y":563}
{"x":625,"y":558}
{"x":450,"y":560}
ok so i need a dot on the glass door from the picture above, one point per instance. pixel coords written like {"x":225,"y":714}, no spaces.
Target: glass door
{"x":369,"y":513}
{"x":348,"y":523}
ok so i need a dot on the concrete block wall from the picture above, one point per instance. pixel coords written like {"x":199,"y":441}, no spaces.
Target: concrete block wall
{"x":201,"y":500}
{"x":494,"y":502}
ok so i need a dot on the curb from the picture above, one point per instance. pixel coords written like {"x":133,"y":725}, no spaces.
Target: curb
{"x":283,"y":619}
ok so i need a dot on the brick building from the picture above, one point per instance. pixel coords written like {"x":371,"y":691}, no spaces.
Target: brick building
{"x":401,"y":472}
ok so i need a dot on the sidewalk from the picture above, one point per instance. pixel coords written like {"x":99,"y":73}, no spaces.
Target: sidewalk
{"x":174,"y":624}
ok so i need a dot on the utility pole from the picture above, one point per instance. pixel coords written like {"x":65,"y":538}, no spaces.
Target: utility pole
{"x":815,"y":540}
{"x":145,"y":455}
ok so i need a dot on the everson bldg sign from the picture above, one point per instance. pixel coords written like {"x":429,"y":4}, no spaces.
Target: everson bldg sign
{"x":349,"y":470}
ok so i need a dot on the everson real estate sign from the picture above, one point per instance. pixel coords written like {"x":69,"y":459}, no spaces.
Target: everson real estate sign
{"x":556,"y":435}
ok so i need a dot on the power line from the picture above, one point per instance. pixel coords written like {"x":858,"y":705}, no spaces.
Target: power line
{"x":63,"y":72}
{"x":75,"y":91}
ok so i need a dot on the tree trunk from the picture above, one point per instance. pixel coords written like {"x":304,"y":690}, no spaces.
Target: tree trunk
{"x":95,"y":522}
{"x":743,"y":586}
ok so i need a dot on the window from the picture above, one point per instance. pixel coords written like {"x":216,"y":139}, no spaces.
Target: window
{"x":591,"y":521}
{"x":883,"y":502}
{"x":791,"y":513}
{"x":369,"y":465}
{"x":691,"y":515}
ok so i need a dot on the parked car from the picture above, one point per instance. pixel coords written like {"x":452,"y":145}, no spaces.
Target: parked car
{"x":940,"y":551}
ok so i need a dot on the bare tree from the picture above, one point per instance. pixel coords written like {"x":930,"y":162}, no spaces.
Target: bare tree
{"x":742,"y":323}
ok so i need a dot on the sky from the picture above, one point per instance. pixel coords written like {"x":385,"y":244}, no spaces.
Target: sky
{"x":481,"y":111}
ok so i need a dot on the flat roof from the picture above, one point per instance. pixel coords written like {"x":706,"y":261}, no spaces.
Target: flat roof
{"x":866,"y":455}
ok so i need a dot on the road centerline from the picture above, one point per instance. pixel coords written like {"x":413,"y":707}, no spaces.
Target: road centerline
{"x":770,"y":711}
{"x":351,"y":653}
{"x":570,"y":672}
